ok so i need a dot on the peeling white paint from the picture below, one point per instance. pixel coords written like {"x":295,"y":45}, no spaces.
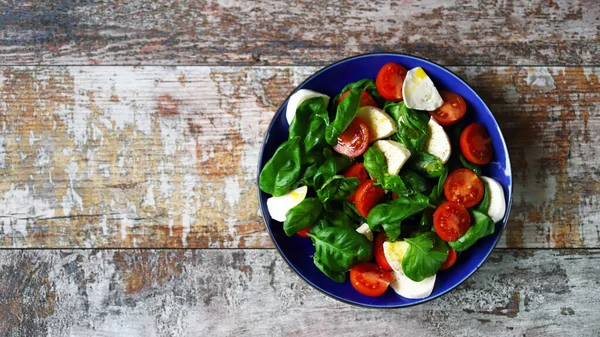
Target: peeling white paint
{"x":126,"y":223}
{"x":540,"y":79}
{"x":171,"y":132}
{"x":149,"y":198}
{"x":188,"y":209}
{"x":104,"y":225}
{"x":32,"y":138}
{"x":18,"y":207}
{"x":2,"y":152}
{"x":71,"y":199}
{"x":232,"y":190}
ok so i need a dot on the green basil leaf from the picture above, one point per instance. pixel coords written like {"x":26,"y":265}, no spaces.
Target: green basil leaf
{"x":395,"y":211}
{"x":415,"y":181}
{"x":315,"y":137}
{"x":351,"y":211}
{"x":484,"y":204}
{"x":339,"y":218}
{"x":438,"y":190}
{"x":367,"y":85}
{"x":427,"y":164}
{"x":283,"y":169}
{"x":339,"y":249}
{"x":302,"y":215}
{"x":338,"y":187}
{"x":394,"y":184}
{"x":468,"y":165}
{"x":312,"y":107}
{"x":345,"y":113}
{"x":482,"y":225}
{"x":310,"y":164}
{"x":426,"y":221}
{"x":375,"y":163}
{"x":392,"y":231}
{"x":334,"y":275}
{"x":424,"y":256}
{"x":319,"y":225}
{"x":329,"y":168}
{"x":412,"y":125}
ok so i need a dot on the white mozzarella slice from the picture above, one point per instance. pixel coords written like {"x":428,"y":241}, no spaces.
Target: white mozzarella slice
{"x":366,"y":231}
{"x":279,"y":206}
{"x":497,"y":203}
{"x":395,"y":154}
{"x":408,"y":288}
{"x":438,"y":143}
{"x":380,"y":124}
{"x":419,"y":92}
{"x":297,"y":98}
{"x":394,"y":252}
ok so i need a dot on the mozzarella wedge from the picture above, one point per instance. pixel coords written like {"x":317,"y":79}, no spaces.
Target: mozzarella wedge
{"x":419,"y":92}
{"x":279,"y":206}
{"x":438,"y":143}
{"x":394,"y":252}
{"x":497,"y":207}
{"x":408,"y":288}
{"x":366,"y":231}
{"x":395,"y":154}
{"x":297,"y":98}
{"x":380,"y":124}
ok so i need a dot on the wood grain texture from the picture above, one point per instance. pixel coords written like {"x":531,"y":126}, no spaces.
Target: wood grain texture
{"x":166,"y":156}
{"x":254,"y":293}
{"x":270,"y":32}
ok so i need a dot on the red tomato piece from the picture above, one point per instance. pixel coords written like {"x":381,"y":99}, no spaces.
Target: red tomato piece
{"x":452,"y":110}
{"x":303,"y":232}
{"x":365,"y":99}
{"x":378,"y":251}
{"x":389,"y":81}
{"x":476,"y":144}
{"x":357,"y":171}
{"x":451,"y":220}
{"x":450,"y":260}
{"x":367,"y":196}
{"x":464,"y":187}
{"x":370,"y":279}
{"x":354,"y":140}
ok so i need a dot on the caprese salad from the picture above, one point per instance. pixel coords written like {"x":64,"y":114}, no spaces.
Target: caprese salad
{"x":385,"y":179}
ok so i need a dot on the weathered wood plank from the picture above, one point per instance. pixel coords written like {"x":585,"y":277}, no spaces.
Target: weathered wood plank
{"x":254,"y":293}
{"x":166,"y":156}
{"x":228,"y":32}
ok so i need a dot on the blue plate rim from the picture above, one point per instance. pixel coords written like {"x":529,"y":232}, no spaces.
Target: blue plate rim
{"x":264,"y":210}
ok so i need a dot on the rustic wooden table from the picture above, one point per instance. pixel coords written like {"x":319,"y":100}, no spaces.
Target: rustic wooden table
{"x":130,"y":137}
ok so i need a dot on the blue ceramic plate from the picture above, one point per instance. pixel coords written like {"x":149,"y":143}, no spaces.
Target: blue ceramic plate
{"x":298,"y":251}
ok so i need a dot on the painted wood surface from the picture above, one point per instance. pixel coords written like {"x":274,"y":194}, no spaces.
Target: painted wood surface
{"x":254,"y":293}
{"x":271,"y":32}
{"x":167,"y":156}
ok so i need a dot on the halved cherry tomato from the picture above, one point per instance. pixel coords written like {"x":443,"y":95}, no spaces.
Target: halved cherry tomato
{"x":367,"y":196}
{"x":476,"y":144}
{"x":365,"y":99}
{"x":354,"y":140}
{"x":464,"y":187}
{"x":389,"y":81}
{"x":450,"y":260}
{"x":357,"y":171}
{"x":452,"y":110}
{"x":451,"y":220}
{"x":370,"y":279}
{"x":303,"y":232}
{"x":378,"y":251}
